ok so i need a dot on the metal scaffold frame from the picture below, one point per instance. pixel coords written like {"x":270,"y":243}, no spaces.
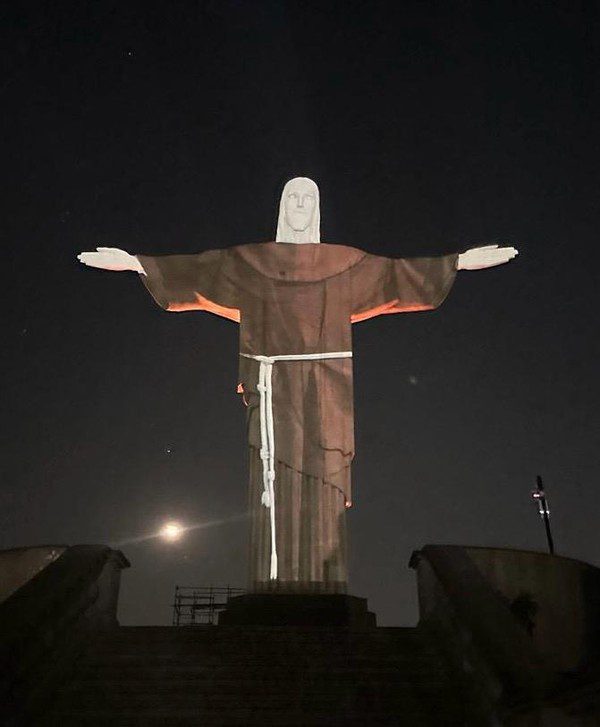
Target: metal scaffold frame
{"x":195,"y":605}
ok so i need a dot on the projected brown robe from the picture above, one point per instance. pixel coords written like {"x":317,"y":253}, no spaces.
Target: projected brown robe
{"x":299,"y":299}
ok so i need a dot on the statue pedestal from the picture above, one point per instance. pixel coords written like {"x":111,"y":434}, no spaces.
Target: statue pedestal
{"x":336,"y":610}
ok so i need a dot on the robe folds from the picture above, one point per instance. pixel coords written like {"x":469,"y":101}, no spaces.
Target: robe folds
{"x":299,"y":299}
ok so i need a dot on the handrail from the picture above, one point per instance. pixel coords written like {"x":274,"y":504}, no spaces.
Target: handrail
{"x":45,"y":619}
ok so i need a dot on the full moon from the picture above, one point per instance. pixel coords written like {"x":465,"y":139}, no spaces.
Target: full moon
{"x":171,"y":531}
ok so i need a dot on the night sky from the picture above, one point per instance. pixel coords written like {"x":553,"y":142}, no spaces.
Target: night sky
{"x":171,"y":127}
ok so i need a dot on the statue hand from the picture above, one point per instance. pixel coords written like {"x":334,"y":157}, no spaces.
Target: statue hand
{"x":111,"y":258}
{"x":478,"y":258}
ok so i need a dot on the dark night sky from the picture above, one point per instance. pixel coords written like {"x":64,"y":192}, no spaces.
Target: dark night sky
{"x":170,"y":128}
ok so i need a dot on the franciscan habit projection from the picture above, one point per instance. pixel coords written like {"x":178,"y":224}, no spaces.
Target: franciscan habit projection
{"x":295,"y":301}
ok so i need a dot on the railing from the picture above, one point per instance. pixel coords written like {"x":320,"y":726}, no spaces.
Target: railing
{"x":200,"y":604}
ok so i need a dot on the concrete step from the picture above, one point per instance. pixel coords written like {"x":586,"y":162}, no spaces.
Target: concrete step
{"x":410,"y":711}
{"x":219,"y":634}
{"x":357,"y":706}
{"x":224,"y":692}
{"x":269,"y":645}
{"x":269,"y":639}
{"x":232,"y":684}
{"x":225,"y":629}
{"x":281,"y":644}
{"x":267,"y":649}
{"x":253,"y":632}
{"x":257,"y":656}
{"x":267,"y":676}
{"x":285,"y":706}
{"x":244,"y":718}
{"x":95,"y":674}
{"x":176,"y":668}
{"x":260,"y":659}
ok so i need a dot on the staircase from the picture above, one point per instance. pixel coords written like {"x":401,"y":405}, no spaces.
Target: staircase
{"x":233,"y":675}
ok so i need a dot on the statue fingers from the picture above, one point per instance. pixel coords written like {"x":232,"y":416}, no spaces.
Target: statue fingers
{"x":499,"y":253}
{"x":503,"y":255}
{"x":509,"y":250}
{"x":96,"y":260}
{"x":90,"y":263}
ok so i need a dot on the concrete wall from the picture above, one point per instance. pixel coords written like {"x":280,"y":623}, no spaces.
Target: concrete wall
{"x":103,"y":613}
{"x":19,"y":565}
{"x":520,"y":667}
{"x":566,"y":627}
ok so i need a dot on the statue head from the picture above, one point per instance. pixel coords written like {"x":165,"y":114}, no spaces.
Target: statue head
{"x":299,"y":216}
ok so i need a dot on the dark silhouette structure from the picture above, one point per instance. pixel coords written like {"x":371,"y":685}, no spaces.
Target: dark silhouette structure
{"x":505,"y":637}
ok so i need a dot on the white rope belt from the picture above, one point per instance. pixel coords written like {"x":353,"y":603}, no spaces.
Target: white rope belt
{"x":267,"y":432}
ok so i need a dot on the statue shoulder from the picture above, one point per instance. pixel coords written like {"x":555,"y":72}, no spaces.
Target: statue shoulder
{"x":290,"y":262}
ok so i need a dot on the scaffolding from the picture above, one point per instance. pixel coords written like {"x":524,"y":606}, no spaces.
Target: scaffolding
{"x":196,"y":605}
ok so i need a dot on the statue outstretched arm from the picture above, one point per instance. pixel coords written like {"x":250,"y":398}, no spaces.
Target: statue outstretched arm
{"x":111,"y":258}
{"x":400,"y":285}
{"x":478,"y":258}
{"x":177,"y":282}
{"x":381,"y":285}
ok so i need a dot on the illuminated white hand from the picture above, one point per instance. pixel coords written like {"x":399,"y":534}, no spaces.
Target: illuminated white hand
{"x":478,"y":258}
{"x":111,"y":258}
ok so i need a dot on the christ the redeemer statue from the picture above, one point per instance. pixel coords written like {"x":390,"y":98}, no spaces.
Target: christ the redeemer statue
{"x":295,"y":301}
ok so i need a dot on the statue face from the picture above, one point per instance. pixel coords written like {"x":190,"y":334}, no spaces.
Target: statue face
{"x":299,"y":204}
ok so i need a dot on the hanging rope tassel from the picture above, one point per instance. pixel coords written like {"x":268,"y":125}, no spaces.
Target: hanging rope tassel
{"x":267,"y":430}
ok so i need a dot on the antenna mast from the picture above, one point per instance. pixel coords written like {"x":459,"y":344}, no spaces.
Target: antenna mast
{"x":539,"y":496}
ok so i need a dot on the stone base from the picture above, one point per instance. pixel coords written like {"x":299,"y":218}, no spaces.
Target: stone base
{"x":309,"y":610}
{"x":303,"y":588}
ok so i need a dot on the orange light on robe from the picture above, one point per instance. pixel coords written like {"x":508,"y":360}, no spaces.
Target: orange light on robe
{"x":202,"y":303}
{"x":391,"y":307}
{"x":233,"y":314}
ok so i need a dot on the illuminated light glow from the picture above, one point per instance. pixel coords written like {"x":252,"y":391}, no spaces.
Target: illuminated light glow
{"x":394,"y":306}
{"x":202,"y":303}
{"x":171,"y":531}
{"x":195,"y":526}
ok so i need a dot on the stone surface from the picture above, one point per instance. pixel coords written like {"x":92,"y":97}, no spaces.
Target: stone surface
{"x":20,"y":565}
{"x":565,"y":621}
{"x":227,"y":675}
{"x":46,"y":622}
{"x":555,"y":599}
{"x":321,"y":610}
{"x":521,"y":629}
